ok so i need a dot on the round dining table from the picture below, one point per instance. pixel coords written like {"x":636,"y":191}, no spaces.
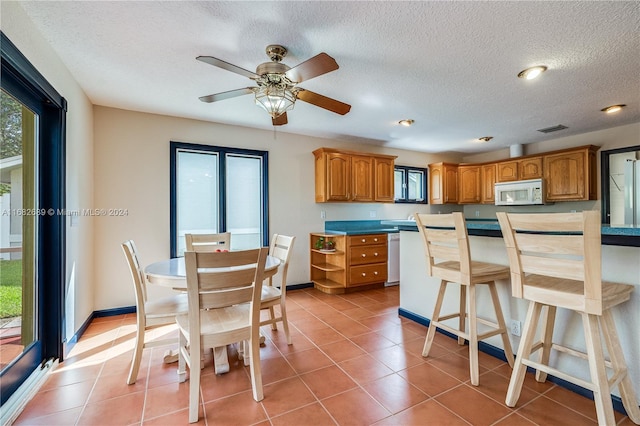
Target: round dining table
{"x":172,"y":273}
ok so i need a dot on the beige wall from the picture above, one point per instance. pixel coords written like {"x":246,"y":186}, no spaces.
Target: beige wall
{"x":132,"y":172}
{"x":79,"y":172}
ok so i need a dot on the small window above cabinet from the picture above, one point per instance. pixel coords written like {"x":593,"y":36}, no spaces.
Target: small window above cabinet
{"x":410,"y":185}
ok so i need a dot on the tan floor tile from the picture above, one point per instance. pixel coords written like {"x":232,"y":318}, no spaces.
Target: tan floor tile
{"x":312,"y":414}
{"x":473,"y":406}
{"x":395,"y":393}
{"x":425,"y":413}
{"x":341,"y":408}
{"x":286,"y":395}
{"x":328,"y":381}
{"x":544,"y":411}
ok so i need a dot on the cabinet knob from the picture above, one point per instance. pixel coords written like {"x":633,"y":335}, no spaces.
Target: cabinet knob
{"x":364,"y":240}
{"x":375,"y":254}
{"x":375,"y":273}
{"x":364,"y":274}
{"x":375,"y":239}
{"x":364,"y":255}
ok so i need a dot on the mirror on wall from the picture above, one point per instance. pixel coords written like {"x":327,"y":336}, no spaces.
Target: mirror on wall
{"x":620,"y":186}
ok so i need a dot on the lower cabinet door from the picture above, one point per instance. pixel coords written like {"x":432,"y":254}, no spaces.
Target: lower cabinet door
{"x":365,"y":274}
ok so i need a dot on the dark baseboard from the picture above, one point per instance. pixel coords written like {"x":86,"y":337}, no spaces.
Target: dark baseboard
{"x":499,"y":353}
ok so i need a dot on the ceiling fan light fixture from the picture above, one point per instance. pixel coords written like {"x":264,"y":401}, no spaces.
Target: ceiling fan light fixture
{"x":406,"y":122}
{"x":275,"y":100}
{"x":612,"y":109}
{"x":485,"y":138}
{"x":533,"y":72}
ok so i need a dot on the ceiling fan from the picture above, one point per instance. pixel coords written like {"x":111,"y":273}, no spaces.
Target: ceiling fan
{"x":278,"y":88}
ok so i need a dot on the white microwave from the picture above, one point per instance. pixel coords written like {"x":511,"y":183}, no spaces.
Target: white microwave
{"x":520,"y":193}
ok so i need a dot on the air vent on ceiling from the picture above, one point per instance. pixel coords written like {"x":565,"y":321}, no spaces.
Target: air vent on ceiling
{"x":553,"y":129}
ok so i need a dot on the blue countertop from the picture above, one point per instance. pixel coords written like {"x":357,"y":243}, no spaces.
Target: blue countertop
{"x":358,"y":227}
{"x":619,"y":235}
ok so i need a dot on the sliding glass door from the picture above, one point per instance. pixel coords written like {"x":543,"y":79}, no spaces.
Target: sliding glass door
{"x":32,"y":225}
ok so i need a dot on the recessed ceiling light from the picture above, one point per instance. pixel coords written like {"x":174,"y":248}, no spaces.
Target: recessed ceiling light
{"x":407,"y":122}
{"x":485,"y":138}
{"x":613,"y":108}
{"x":533,"y":72}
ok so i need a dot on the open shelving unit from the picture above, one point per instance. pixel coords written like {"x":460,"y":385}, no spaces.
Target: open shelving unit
{"x":328,"y":268}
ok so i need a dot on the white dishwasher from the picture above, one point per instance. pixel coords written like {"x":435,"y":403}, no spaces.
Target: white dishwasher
{"x":393,"y":258}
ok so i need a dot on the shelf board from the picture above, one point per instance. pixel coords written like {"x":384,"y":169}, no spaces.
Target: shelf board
{"x":327,"y":267}
{"x":331,"y":253}
{"x":329,"y":286}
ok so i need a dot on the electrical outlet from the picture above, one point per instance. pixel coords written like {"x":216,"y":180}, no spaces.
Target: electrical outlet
{"x":372,"y":213}
{"x":477,"y":213}
{"x":515,"y":327}
{"x":323,"y":214}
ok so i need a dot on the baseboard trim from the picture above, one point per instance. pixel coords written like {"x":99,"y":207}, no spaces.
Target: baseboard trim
{"x":499,"y":353}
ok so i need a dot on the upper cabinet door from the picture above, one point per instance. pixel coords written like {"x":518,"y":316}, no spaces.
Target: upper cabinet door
{"x":488,"y":182}
{"x":338,"y":177}
{"x":384,"y":179}
{"x":469,"y":184}
{"x":507,"y":171}
{"x":362,"y":178}
{"x":565,"y":176}
{"x":530,"y":168}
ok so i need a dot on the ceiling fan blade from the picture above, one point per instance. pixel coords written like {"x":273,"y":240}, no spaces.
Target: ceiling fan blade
{"x":323,"y":102}
{"x":280,"y":120}
{"x":227,"y":66}
{"x":226,"y":95}
{"x":318,"y":65}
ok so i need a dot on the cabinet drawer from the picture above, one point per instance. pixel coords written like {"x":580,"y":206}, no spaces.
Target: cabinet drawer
{"x":361,"y":255}
{"x":361,"y":240}
{"x":368,"y":274}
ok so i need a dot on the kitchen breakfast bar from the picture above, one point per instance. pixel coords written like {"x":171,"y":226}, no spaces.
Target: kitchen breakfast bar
{"x":620,"y":263}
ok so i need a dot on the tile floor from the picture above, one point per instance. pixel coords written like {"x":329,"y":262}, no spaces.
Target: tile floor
{"x":353,"y":361}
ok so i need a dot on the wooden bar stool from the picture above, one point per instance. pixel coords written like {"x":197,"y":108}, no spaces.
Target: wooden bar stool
{"x":556,"y":263}
{"x":448,"y":257}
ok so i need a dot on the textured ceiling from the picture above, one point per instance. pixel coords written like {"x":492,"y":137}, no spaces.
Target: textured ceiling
{"x":450,"y":66}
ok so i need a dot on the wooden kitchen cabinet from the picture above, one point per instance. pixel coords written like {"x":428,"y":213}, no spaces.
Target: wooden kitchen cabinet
{"x":366,"y":260}
{"x":571,"y":175}
{"x":362,"y":178}
{"x":520,"y":169}
{"x":530,"y":168}
{"x":507,"y":171}
{"x":384,"y":179}
{"x":328,"y":268}
{"x":353,"y":176}
{"x":487,"y":181}
{"x":469,"y":184}
{"x":359,"y":261}
{"x":443,"y":183}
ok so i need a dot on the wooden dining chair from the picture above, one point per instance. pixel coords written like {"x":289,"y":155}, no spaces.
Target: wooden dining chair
{"x":149,"y":313}
{"x":208,"y":242}
{"x":446,"y":245}
{"x":281,"y":248}
{"x":224,"y":308}
{"x":555,"y":263}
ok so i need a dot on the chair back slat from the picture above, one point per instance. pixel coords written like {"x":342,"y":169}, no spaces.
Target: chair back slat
{"x":445,"y":239}
{"x":557,"y":245}
{"x":208,"y":242}
{"x":552,"y":244}
{"x":220,"y":279}
{"x":554,"y":267}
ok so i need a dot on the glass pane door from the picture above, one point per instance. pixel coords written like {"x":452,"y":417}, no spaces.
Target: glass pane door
{"x":197,"y":195}
{"x":18,"y":229}
{"x":244,"y":200}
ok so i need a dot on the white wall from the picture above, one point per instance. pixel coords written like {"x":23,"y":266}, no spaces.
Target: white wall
{"x":132,"y":172}
{"x":79,"y":172}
